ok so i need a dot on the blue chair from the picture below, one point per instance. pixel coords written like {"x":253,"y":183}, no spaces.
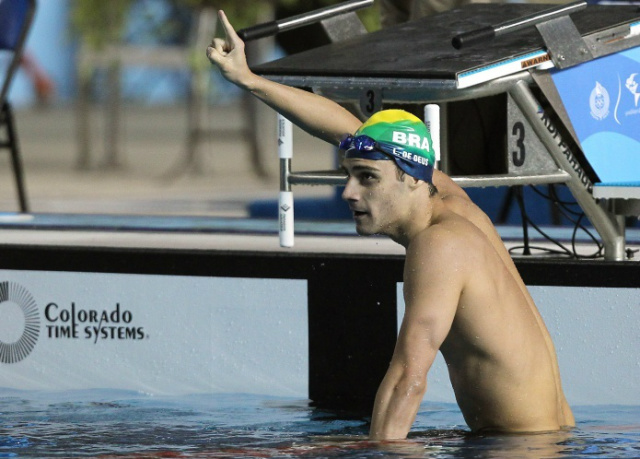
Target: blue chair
{"x":16,"y":17}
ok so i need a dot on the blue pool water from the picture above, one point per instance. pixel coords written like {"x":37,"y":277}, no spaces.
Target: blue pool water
{"x":113,"y":424}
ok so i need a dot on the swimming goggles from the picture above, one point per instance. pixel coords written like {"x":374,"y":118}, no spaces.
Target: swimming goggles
{"x":369,"y":146}
{"x":365,"y":147}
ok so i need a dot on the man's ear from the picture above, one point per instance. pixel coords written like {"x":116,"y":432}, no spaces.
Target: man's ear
{"x":415,"y":183}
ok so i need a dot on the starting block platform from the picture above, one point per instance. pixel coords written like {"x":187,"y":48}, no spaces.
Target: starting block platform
{"x":548,"y":80}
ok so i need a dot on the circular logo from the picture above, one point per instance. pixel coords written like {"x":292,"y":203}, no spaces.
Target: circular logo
{"x":14,"y":297}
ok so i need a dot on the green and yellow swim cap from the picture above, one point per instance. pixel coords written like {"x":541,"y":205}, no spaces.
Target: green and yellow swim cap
{"x":396,"y":135}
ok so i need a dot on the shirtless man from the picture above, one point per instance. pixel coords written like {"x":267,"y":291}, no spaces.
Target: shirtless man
{"x":463,"y":294}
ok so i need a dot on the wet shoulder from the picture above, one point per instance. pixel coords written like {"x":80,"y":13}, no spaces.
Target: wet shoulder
{"x":452,"y":238}
{"x":467,"y":209}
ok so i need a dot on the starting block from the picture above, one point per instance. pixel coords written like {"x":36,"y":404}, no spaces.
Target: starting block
{"x":564,"y":84}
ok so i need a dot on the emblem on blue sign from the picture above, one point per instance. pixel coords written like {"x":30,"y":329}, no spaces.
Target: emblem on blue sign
{"x":599,"y":102}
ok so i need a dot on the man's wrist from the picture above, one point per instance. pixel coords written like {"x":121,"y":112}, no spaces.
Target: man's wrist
{"x":251,"y":83}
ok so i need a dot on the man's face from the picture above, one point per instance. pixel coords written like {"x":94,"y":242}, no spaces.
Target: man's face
{"x":375,"y":195}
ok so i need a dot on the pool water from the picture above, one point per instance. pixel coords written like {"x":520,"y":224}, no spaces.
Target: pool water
{"x":125,"y":424}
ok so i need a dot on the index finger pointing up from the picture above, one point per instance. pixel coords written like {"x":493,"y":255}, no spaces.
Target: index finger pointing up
{"x":232,"y":36}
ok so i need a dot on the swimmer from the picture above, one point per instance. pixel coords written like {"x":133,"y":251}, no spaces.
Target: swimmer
{"x":463,"y":294}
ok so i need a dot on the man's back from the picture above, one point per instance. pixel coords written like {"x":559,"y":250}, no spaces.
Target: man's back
{"x":502,"y":369}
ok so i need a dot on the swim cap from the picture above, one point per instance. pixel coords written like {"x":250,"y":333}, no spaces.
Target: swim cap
{"x":396,"y":135}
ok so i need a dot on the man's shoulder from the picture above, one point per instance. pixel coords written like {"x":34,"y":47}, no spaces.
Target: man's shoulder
{"x":455,"y":240}
{"x":443,"y":239}
{"x":453,"y":229}
{"x":441,"y":254}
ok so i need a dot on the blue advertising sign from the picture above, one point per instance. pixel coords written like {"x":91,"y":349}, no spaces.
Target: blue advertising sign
{"x":602,"y":98}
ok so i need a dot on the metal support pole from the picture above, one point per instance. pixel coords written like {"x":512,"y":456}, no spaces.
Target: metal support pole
{"x":445,"y":159}
{"x":610,"y":228}
{"x":285,"y":200}
{"x":6,"y":119}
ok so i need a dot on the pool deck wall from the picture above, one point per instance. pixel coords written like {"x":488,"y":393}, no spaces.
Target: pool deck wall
{"x":203,"y":313}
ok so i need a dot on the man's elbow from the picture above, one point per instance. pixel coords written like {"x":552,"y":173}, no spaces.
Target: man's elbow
{"x":411,"y":385}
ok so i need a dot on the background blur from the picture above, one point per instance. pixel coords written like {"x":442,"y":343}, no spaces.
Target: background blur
{"x":107,"y":135}
{"x":119,"y":111}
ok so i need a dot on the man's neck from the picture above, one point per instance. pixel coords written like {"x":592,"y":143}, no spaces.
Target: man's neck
{"x":421,"y":217}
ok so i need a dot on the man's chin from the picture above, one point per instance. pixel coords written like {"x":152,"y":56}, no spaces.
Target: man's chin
{"x":364,"y":231}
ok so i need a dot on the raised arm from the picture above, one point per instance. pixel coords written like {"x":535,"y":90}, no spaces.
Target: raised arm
{"x":317,"y":115}
{"x":432,"y":286}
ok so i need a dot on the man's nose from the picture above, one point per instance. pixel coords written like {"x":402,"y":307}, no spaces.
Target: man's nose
{"x":350,"y":193}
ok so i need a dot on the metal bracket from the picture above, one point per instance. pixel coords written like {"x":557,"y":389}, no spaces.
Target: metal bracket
{"x":564,"y":43}
{"x":612,"y":40}
{"x":343,"y":27}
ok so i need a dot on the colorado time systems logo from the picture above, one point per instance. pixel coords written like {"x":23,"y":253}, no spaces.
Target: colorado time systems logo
{"x":20,"y":323}
{"x":17,"y":306}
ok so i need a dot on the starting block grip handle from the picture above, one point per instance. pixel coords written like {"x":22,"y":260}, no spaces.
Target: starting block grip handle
{"x":259,"y":31}
{"x":432,"y":121}
{"x":282,"y":25}
{"x":475,"y":36}
{"x":489,"y":32}
{"x":285,"y":218}
{"x":285,"y":199}
{"x":285,"y":138}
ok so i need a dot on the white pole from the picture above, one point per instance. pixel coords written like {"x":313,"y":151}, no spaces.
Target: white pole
{"x":432,"y":121}
{"x":285,"y":199}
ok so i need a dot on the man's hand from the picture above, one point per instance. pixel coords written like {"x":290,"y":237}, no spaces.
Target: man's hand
{"x":317,"y":115}
{"x":229,"y":56}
